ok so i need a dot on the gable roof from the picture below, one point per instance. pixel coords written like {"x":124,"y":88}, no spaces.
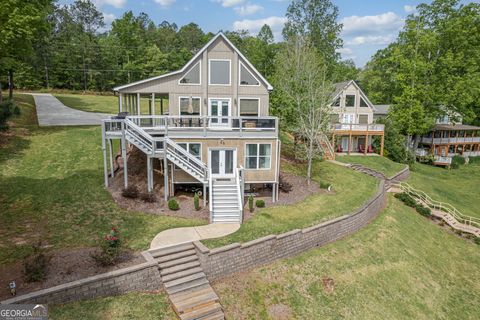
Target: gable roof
{"x":381,"y":109}
{"x":195,"y":57}
{"x":340,"y":86}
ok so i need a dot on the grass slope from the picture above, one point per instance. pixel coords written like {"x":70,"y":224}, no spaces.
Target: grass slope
{"x":51,"y":182}
{"x":130,"y":306}
{"x":401,"y":266}
{"x":313,"y":210}
{"x":460,"y":187}
{"x":381,"y":164}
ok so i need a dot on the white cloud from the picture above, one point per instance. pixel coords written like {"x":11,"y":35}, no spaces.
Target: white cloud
{"x":361,"y":25}
{"x":113,"y":3}
{"x":165,"y":3}
{"x":409,"y":8}
{"x":254,"y":26}
{"x":230,"y":3}
{"x":376,"y":40}
{"x":346,"y":53}
{"x":248,"y":9}
{"x":108,"y":18}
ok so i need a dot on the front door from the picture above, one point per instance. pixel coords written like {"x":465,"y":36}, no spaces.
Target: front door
{"x":220,"y":111}
{"x":222,"y":162}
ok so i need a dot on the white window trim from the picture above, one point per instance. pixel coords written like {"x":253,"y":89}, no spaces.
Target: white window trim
{"x":240,"y":74}
{"x":229,"y":73}
{"x":188,"y":145}
{"x":258,"y":156}
{"x":188,"y":97}
{"x":248,"y":98}
{"x":219,"y":98}
{"x":184,"y":74}
{"x":354,"y":102}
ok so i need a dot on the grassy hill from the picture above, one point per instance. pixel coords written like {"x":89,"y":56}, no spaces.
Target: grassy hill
{"x":400,"y":267}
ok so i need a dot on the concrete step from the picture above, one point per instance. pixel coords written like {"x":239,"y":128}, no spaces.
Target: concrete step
{"x":170,"y":250}
{"x":181,"y":274}
{"x":180,"y":267}
{"x":202,"y":313}
{"x":176,"y":255}
{"x":184,"y":280}
{"x":177,"y":262}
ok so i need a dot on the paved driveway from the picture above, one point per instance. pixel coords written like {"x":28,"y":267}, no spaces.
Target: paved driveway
{"x":51,"y":112}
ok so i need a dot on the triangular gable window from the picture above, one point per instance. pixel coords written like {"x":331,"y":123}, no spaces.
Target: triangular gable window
{"x":246,"y":77}
{"x":192,"y":76}
{"x":363,"y":103}
{"x":336,"y":103}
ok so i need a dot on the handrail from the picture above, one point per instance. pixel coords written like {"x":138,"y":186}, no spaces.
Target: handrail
{"x":240,"y":181}
{"x":210,"y":197}
{"x":322,"y":138}
{"x":142,"y":136}
{"x":186,"y":157}
{"x":440,"y":206}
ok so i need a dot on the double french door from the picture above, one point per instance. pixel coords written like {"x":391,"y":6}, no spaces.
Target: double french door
{"x":219,"y":110}
{"x":222,"y":162}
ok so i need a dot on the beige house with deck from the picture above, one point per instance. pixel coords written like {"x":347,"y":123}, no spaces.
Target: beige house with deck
{"x":214,"y":131}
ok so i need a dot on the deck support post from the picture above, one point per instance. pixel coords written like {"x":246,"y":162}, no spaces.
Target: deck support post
{"x":382,"y":144}
{"x":204,"y":195}
{"x":349,"y":142}
{"x":110,"y":151}
{"x":138,"y":103}
{"x":124,"y":157}
{"x":104,"y":149}
{"x":165,"y":177}
{"x":274,"y":192}
{"x":149,"y":174}
{"x":120,"y":102}
{"x":152,"y":110}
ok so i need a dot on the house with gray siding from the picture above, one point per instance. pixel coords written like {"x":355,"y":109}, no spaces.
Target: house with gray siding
{"x":207,"y":124}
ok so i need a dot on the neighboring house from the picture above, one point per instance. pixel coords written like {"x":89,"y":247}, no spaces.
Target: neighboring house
{"x":381,"y":111}
{"x":353,"y":120}
{"x":448,"y":139}
{"x":216,"y":130}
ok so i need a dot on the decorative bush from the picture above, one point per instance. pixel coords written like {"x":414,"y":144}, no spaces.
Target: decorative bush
{"x":260,"y":203}
{"x":173,"y":205}
{"x":148,"y":197}
{"x":110,"y":249}
{"x":130,"y":192}
{"x":407,"y":199}
{"x":424,"y":211}
{"x":250,"y":203}
{"x":457,"y":161}
{"x":35,"y":266}
{"x":196,"y":201}
{"x":284,"y":185}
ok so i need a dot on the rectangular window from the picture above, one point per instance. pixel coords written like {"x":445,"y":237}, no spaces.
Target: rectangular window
{"x":363,"y":118}
{"x":350,"y":100}
{"x":219,"y":73}
{"x":190,"y":106}
{"x":258,"y":156}
{"x":249,"y":107}
{"x":246,"y":77}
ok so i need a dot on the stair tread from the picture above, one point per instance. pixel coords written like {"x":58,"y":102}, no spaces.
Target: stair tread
{"x":188,"y":286}
{"x":181,"y":274}
{"x":193,"y":301}
{"x":175,"y":262}
{"x":176,"y":255}
{"x":180,"y":267}
{"x":172,"y":249}
{"x":186,"y":294}
{"x":201,"y":312}
{"x":219,"y":315}
{"x":195,"y":276}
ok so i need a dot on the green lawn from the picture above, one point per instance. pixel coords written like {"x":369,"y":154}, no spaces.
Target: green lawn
{"x":99,"y":103}
{"x":460,"y":187}
{"x":142,"y":306}
{"x":382,"y":164}
{"x":51,"y":182}
{"x":401,"y":266}
{"x":315,"y":209}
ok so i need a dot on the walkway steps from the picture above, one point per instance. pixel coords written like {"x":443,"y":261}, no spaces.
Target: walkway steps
{"x":186,"y":284}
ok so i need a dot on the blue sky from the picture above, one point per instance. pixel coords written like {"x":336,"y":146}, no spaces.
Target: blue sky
{"x":369,"y":25}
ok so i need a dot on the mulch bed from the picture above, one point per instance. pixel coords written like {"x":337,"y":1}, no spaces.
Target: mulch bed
{"x":64,"y":266}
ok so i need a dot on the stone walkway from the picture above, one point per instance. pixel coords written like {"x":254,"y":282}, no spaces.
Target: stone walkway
{"x":176,"y":236}
{"x":51,"y":112}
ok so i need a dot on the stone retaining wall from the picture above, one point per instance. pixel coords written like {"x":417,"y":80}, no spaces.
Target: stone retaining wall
{"x":223,"y":261}
{"x":144,"y":276}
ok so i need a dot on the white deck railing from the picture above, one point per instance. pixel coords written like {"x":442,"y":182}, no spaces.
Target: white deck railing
{"x":431,"y":140}
{"x":358,"y":127}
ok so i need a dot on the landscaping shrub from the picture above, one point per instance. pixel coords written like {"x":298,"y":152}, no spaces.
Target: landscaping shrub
{"x":477,"y":240}
{"x":284,"y":185}
{"x":110,"y":249}
{"x":35,"y":266}
{"x":457,"y":161}
{"x":424,"y":211}
{"x":407,"y":199}
{"x":196,"y":201}
{"x":250,"y":203}
{"x":130,"y":192}
{"x":173,"y":205}
{"x":260,"y":203}
{"x":148,"y":197}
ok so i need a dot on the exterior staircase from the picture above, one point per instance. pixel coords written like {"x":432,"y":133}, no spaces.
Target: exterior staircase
{"x":186,"y":284}
{"x":225,"y":204}
{"x":326,"y":147}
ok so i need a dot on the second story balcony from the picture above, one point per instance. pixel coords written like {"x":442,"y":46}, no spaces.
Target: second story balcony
{"x":453,"y":140}
{"x":358,"y":128}
{"x":199,"y":126}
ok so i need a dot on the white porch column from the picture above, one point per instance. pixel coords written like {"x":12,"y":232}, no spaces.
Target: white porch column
{"x":104,"y":149}
{"x":204,"y":195}
{"x":110,"y":151}
{"x":165,"y":178}
{"x":153,"y":104}
{"x":120,"y":101}
{"x":138,"y":103}
{"x":124,"y":157}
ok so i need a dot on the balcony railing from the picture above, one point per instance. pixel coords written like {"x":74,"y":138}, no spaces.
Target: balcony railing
{"x":358,"y":127}
{"x":450,"y":140}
